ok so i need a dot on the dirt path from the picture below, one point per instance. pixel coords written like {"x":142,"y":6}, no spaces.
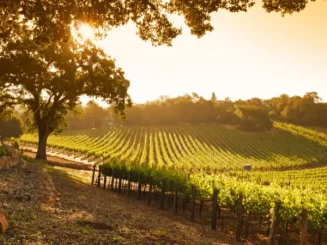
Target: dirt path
{"x":50,"y":205}
{"x":57,"y":161}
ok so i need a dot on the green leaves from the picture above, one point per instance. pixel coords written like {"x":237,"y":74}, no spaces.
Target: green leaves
{"x":49,"y":80}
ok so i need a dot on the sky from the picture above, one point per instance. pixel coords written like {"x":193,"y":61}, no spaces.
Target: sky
{"x":253,"y":54}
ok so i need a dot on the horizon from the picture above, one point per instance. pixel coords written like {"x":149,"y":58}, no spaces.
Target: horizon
{"x":85,"y":100}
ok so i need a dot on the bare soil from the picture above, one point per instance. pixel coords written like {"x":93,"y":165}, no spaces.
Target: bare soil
{"x":45,"y":204}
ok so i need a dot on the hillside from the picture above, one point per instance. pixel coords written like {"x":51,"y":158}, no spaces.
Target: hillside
{"x":204,"y":162}
{"x":205,"y":147}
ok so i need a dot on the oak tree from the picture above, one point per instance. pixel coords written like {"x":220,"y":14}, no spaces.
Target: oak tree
{"x":49,"y":80}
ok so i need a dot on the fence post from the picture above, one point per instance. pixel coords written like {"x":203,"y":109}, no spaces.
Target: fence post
{"x":99,"y":176}
{"x":129,"y":184}
{"x":176,"y":201}
{"x":246,"y":227}
{"x":274,"y":224}
{"x":139,"y":187}
{"x":105,"y":181}
{"x":214,"y":210}
{"x":201,"y":208}
{"x":304,"y":227}
{"x":150,"y":192}
{"x":162,"y":196}
{"x":193,"y":202}
{"x":93,"y":174}
{"x":239,"y":217}
{"x":112,"y":179}
{"x":119,"y":183}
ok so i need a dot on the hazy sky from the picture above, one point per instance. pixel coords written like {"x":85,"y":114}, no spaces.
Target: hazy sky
{"x":253,"y":54}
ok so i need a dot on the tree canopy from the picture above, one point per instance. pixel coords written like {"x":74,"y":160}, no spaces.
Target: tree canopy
{"x":47,"y":78}
{"x":52,"y":19}
{"x":48,"y":81}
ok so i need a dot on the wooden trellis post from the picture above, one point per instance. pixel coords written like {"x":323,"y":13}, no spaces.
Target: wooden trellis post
{"x":175,"y":201}
{"x":105,"y":181}
{"x":119,"y":183}
{"x":239,"y":217}
{"x":129,"y":184}
{"x":150,"y":192}
{"x":139,"y":188}
{"x":193,"y":202}
{"x":99,"y":176}
{"x":112,"y":179}
{"x":93,"y":174}
{"x":162,"y":196}
{"x":214,"y":210}
{"x":273,"y":226}
{"x":304,"y":227}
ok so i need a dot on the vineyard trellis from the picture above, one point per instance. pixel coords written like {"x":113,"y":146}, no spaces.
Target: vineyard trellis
{"x":174,"y":161}
{"x":284,"y":207}
{"x":197,"y":147}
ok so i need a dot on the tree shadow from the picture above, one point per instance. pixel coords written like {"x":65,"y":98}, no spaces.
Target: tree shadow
{"x":126,"y":216}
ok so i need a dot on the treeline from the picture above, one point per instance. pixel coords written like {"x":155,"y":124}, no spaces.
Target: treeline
{"x":90,"y":116}
{"x":253,"y":114}
{"x":10,"y":126}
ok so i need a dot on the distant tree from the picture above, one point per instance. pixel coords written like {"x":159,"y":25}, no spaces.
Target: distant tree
{"x":195,"y":96}
{"x":213,"y":98}
{"x":253,"y":118}
{"x":10,"y":126}
{"x":76,"y":118}
{"x":94,"y":115}
{"x":225,"y":112}
{"x":307,"y":110}
{"x":312,"y":97}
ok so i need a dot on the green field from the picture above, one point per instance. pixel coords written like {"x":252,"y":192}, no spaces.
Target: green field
{"x":289,"y":163}
{"x":199,"y":148}
{"x":286,"y":155}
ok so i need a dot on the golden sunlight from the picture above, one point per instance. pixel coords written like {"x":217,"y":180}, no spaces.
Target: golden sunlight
{"x":83,"y":31}
{"x":86,"y":31}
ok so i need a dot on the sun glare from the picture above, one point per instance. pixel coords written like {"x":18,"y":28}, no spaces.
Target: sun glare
{"x":86,"y":31}
{"x":83,"y":32}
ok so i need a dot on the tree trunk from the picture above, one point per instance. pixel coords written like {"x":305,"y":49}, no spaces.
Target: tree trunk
{"x":239,"y":218}
{"x":42,"y":145}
